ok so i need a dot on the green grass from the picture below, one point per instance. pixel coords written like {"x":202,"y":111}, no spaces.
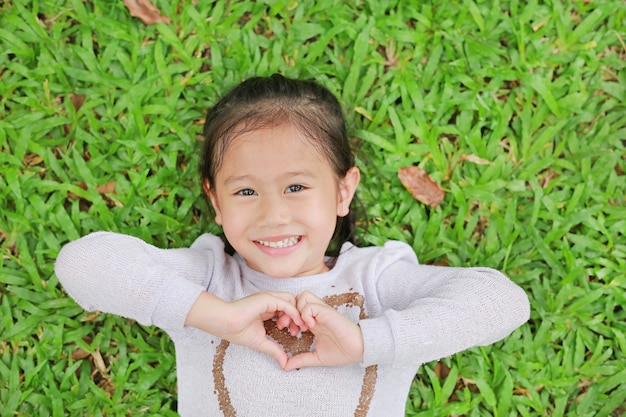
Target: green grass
{"x":538,"y":89}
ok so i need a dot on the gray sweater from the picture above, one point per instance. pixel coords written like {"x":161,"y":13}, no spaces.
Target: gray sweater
{"x":409,"y":314}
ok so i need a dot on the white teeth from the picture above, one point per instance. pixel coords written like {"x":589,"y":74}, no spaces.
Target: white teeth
{"x":285,"y":243}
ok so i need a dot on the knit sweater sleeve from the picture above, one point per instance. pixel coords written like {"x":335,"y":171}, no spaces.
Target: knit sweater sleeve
{"x":431,"y":312}
{"x":123,"y":275}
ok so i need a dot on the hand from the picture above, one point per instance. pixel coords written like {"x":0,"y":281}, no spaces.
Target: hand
{"x":241,"y":321}
{"x":338,"y":340}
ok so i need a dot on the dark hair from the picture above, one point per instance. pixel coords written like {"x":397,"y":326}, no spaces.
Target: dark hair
{"x":261,"y":102}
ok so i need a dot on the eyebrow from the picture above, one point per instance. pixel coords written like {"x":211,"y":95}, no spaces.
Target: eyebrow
{"x":291,"y":174}
{"x":234,"y":178}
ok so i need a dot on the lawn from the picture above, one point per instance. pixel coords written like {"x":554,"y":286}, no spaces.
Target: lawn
{"x":516,"y":109}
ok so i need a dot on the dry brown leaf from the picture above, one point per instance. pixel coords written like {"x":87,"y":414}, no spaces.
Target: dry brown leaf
{"x":108,"y":188}
{"x":442,"y":370}
{"x":77,"y":100}
{"x":421,"y":186}
{"x":91,"y":317}
{"x":522,"y":391}
{"x":145,"y":11}
{"x":99,"y":362}
{"x":475,"y":159}
{"x":32,"y":159}
{"x":467,"y":381}
{"x":79,"y":354}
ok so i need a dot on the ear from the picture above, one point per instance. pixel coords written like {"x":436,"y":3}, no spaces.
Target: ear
{"x":347,"y":188}
{"x":210,"y":192}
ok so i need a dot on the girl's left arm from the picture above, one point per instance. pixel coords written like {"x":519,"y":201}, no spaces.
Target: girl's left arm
{"x":431,"y":312}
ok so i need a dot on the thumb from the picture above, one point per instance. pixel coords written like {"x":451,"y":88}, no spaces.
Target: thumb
{"x":302,"y":360}
{"x":275,"y":351}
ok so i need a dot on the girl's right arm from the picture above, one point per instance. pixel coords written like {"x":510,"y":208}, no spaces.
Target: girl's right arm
{"x":123,"y":275}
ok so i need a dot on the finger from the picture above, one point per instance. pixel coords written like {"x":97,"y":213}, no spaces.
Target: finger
{"x":309,"y":305}
{"x":307,"y":297}
{"x":313,"y":313}
{"x":279,"y":305}
{"x":287,"y":296}
{"x":268,"y":315}
{"x":294,"y":329}
{"x":284,"y":321}
{"x":275,"y":351}
{"x":302,"y":360}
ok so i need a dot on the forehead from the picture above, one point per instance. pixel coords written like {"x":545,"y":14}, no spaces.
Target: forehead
{"x":272,"y":149}
{"x":284,"y":133}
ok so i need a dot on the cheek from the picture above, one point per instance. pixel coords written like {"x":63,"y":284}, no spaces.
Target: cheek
{"x":235,"y":223}
{"x":324,"y":219}
{"x":230,"y":227}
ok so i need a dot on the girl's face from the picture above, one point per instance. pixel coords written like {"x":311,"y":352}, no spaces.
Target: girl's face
{"x":278,"y":199}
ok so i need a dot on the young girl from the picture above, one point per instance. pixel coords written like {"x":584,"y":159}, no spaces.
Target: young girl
{"x":284,"y":327}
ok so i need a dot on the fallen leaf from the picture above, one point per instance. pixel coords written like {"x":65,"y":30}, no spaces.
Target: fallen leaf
{"x":442,"y":370}
{"x":91,"y":317}
{"x":421,"y":186}
{"x":31,"y":160}
{"x":99,"y":362}
{"x":467,"y":381}
{"x":79,"y":354}
{"x":145,"y":11}
{"x":108,"y":188}
{"x":77,"y":100}
{"x":475,"y":159}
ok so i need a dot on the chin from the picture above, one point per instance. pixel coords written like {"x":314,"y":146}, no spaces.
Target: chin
{"x":280,"y":274}
{"x":273,"y":271}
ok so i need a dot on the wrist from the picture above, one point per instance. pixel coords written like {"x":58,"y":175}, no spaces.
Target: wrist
{"x":205,"y":313}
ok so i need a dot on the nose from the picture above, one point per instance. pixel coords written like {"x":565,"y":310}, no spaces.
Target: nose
{"x":273,"y":211}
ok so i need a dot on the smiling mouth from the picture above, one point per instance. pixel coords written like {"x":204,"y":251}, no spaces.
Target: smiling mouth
{"x":285,"y":243}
